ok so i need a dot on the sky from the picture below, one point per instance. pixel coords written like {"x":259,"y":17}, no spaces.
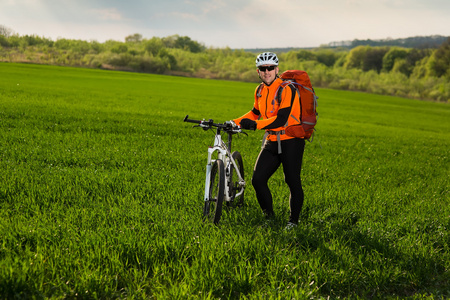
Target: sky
{"x":238,"y":24}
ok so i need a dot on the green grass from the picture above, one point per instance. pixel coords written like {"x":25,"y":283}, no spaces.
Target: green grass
{"x":101,"y":187}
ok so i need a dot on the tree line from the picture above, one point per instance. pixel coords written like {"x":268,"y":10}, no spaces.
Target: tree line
{"x":392,"y":70}
{"x":419,"y":42}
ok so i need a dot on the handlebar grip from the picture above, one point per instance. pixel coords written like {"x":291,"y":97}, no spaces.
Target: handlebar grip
{"x":191,"y":121}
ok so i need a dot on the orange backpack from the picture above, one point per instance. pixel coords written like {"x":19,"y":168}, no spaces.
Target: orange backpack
{"x":304,"y":115}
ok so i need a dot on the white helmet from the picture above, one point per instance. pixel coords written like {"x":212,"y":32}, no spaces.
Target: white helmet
{"x":267,"y":58}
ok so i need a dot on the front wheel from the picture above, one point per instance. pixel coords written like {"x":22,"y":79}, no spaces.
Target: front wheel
{"x":213,"y":206}
{"x":235,"y":184}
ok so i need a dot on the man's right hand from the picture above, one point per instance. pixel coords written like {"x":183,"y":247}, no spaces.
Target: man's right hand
{"x":248,"y":124}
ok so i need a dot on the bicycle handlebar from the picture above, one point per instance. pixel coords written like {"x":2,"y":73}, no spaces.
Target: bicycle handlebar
{"x":210,"y":123}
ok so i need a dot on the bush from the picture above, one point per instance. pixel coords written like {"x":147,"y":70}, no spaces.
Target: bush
{"x":119,"y":60}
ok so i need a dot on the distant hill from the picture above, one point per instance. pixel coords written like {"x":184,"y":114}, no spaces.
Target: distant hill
{"x":276,"y":50}
{"x":418,"y":42}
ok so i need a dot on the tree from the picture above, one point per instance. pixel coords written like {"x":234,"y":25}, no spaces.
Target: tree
{"x":304,"y":55}
{"x":326,"y":57}
{"x":63,"y":44}
{"x":441,"y":62}
{"x":366,"y":58}
{"x":154,"y":45}
{"x":185,"y":43}
{"x":96,"y":47}
{"x":169,"y":41}
{"x":80,"y":47}
{"x":135,"y":38}
{"x":5,"y":31}
{"x":391,"y":56}
{"x":355,"y":57}
{"x":412,"y":58}
{"x":119,"y":48}
{"x":168,"y":59}
{"x":373,"y":59}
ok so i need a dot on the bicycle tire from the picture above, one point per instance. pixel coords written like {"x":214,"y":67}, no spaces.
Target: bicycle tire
{"x":233,"y":181}
{"x":213,"y":207}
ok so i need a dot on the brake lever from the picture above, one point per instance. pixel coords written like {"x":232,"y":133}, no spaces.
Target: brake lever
{"x":239,"y":130}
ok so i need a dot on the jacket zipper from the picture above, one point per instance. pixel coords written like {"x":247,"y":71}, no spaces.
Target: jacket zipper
{"x":267,"y":96}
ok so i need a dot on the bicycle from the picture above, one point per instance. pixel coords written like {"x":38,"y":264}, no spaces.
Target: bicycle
{"x":224,"y":175}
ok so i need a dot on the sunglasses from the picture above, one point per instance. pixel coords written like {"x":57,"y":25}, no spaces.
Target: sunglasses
{"x":269,"y":68}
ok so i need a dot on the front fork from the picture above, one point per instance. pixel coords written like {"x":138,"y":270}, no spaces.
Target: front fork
{"x":208,"y":171}
{"x":221,"y":154}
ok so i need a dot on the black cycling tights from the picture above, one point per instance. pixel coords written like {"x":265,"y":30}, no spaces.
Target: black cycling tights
{"x":268,"y":162}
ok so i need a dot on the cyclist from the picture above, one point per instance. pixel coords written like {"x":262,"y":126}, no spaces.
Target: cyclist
{"x":278,"y":148}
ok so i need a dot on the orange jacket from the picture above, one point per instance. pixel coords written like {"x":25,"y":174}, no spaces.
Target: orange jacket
{"x":267,"y":112}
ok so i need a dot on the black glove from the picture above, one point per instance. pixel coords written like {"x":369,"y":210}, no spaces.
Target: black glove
{"x":248,"y":124}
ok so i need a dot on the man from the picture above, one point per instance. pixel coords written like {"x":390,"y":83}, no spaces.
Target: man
{"x":271,"y":115}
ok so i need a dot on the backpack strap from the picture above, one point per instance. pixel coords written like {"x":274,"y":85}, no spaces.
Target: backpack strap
{"x":258,"y":90}
{"x":281,"y":88}
{"x":277,"y":133}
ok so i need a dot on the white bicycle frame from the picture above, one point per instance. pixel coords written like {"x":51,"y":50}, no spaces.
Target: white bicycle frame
{"x":224,"y":154}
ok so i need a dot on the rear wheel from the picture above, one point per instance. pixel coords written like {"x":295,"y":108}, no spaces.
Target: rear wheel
{"x":234,"y":183}
{"x":213,"y":206}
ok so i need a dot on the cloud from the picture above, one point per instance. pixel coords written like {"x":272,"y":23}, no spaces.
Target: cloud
{"x":184,"y":16}
{"x":212,"y":6}
{"x":107,"y":14}
{"x":233,"y":23}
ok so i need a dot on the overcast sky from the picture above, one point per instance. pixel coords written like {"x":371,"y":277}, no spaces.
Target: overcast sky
{"x":229,"y":23}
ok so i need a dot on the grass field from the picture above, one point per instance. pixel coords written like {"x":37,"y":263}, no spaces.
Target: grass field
{"x":101,"y":187}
